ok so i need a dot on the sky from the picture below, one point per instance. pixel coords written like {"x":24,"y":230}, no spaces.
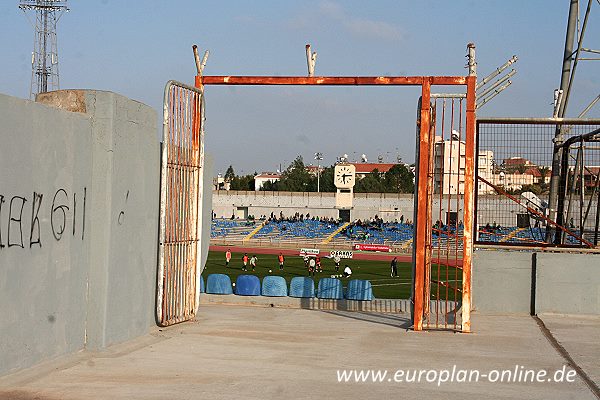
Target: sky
{"x":134,"y":47}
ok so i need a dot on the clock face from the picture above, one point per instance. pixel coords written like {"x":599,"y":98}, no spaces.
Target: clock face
{"x":344,"y":176}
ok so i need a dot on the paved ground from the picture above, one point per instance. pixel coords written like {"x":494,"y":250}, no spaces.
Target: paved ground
{"x":233,"y":352}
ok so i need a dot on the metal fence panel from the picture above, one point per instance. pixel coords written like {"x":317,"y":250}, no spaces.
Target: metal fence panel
{"x":180,"y":204}
{"x":514,"y":172}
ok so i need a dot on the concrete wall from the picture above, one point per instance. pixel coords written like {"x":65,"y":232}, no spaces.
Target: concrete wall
{"x":502,"y":281}
{"x":388,"y":206}
{"x":79,"y":195}
{"x":523,"y":281}
{"x":45,"y":190}
{"x":124,"y":218}
{"x":568,"y":283}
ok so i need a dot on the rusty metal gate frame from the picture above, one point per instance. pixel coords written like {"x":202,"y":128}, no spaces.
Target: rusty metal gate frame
{"x":423,"y":235}
{"x":182,"y":163}
{"x":437,"y":298}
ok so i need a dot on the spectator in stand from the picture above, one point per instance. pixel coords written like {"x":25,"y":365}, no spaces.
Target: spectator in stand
{"x":227,"y":257}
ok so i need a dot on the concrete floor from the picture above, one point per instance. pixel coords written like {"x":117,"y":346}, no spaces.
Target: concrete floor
{"x":233,"y":352}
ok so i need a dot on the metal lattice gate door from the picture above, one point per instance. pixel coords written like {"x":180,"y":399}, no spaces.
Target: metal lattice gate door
{"x":445,"y":196}
{"x":182,"y":161}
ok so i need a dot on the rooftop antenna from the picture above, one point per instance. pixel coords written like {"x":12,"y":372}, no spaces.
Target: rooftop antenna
{"x":44,"y":58}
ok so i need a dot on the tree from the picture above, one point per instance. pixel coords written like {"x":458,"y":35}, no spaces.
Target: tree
{"x":535,"y":189}
{"x":229,"y":174}
{"x":372,"y":183}
{"x":399,"y":179}
{"x":270,"y":186}
{"x":327,"y":184}
{"x":245,"y":182}
{"x":296,"y":178}
{"x":544,"y":171}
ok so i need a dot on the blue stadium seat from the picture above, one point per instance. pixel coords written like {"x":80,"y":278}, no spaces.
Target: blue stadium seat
{"x":247,"y":285}
{"x":330,"y":288}
{"x":274,"y":286}
{"x":301,"y":286}
{"x":359,"y":289}
{"x":218,"y":284}
{"x":202,"y":285}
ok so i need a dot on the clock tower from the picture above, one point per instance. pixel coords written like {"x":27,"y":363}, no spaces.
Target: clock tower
{"x":344,"y":178}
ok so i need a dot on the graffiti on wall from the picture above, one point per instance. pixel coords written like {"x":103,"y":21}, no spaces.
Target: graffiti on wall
{"x":27,"y":222}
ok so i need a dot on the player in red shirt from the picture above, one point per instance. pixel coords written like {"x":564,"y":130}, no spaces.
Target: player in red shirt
{"x":245,"y":261}
{"x":227,"y":257}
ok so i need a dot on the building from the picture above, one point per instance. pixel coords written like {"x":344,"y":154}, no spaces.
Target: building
{"x":261,"y":179}
{"x":449,"y":166}
{"x":219,"y":183}
{"x":537,"y":174}
{"x":515,"y":163}
{"x":364,"y":169}
{"x":485,"y":169}
{"x":513,"y":181}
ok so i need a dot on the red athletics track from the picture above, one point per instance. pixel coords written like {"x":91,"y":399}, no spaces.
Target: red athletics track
{"x":375,"y":256}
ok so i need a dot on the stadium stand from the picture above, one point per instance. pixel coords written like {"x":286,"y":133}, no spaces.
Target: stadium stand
{"x":303,"y":287}
{"x":359,"y":289}
{"x":274,"y":286}
{"x":247,"y":285}
{"x":309,"y":229}
{"x":311,"y":232}
{"x":396,"y":235}
{"x":218,"y":284}
{"x":330,"y":288}
{"x":221,"y":227}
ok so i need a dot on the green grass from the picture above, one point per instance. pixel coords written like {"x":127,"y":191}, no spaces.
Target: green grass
{"x":378,"y":272}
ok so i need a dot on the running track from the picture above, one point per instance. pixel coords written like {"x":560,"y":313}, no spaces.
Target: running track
{"x":376,"y":256}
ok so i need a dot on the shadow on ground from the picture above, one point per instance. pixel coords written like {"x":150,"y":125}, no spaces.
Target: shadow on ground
{"x":397,"y":321}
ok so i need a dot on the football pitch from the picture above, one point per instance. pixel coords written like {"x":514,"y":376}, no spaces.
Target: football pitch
{"x":378,"y":272}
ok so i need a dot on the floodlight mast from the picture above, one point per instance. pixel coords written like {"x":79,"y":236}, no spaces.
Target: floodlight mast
{"x":573,"y":53}
{"x":318,"y":157}
{"x":44,"y":58}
